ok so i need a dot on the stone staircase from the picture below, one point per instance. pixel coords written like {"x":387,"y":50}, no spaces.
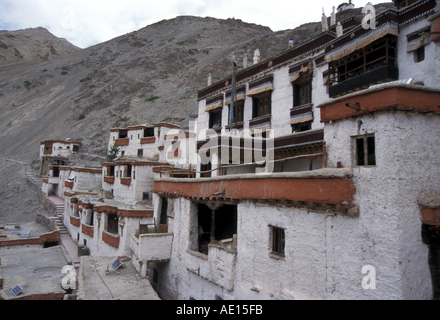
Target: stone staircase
{"x":59,"y":218}
{"x":59,"y":203}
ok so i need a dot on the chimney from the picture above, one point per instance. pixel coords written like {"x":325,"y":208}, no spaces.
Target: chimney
{"x":291,"y":42}
{"x":209,"y":79}
{"x":324,"y":21}
{"x":257,"y":56}
{"x":339,"y":30}
{"x":245,"y":61}
{"x":333,"y":18}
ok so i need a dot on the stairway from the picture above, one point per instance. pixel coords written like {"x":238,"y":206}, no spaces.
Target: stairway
{"x":59,"y":218}
{"x":30,"y":175}
{"x":68,"y":243}
{"x":59,"y":203}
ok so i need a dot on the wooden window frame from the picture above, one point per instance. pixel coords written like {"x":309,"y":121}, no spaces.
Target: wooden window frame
{"x":363,"y":155}
{"x":215,"y":119}
{"x":278,"y":241}
{"x":257,"y":109}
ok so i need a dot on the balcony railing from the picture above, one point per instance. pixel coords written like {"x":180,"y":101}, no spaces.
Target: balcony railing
{"x":110,"y":239}
{"x":109,"y":179}
{"x":148,"y":140}
{"x":152,"y":246}
{"x":75,"y":221}
{"x":87,"y":230}
{"x":53,"y":180}
{"x":122,"y":142}
{"x":126,"y":181}
{"x":381,"y":74}
{"x":218,"y":266}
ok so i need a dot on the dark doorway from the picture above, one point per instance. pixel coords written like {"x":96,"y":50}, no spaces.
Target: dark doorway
{"x":431,"y":237}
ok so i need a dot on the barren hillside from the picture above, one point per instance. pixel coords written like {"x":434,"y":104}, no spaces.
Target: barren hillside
{"x":31,"y":45}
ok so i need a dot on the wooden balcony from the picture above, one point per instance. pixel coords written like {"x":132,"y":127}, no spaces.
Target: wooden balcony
{"x":126,"y":181}
{"x":109,"y":179}
{"x":122,"y":142}
{"x":382,"y":74}
{"x":148,"y":140}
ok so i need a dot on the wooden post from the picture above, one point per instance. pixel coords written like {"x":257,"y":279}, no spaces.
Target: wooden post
{"x":213,"y":225}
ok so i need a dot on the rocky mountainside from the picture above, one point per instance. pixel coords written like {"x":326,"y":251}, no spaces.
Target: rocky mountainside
{"x":146,"y":76}
{"x":31,"y":45}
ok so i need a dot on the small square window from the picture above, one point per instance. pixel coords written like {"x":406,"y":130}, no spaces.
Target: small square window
{"x":278,"y":240}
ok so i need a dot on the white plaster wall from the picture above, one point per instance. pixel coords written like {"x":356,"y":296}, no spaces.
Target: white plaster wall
{"x":424,"y":71}
{"x":87,"y":181}
{"x":407,"y":165}
{"x":282,"y":101}
{"x":60,"y":149}
{"x":143,"y":182}
{"x":319,"y":94}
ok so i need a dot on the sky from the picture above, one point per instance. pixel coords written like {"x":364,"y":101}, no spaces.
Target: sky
{"x":88,"y":22}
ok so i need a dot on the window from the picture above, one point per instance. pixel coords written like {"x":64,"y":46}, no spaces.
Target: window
{"x":419,"y":54}
{"x":140,"y":152}
{"x":148,"y":132}
{"x":215,"y":225}
{"x":278,"y":240}
{"x":163,"y":212}
{"x":302,"y":92}
{"x":123,"y":134}
{"x":90,"y":215}
{"x":205,"y":170}
{"x":112,"y":223}
{"x":215,"y":118}
{"x":128,"y":169}
{"x":300,"y":127}
{"x":110,"y":171}
{"x":365,"y":151}
{"x":261,"y":104}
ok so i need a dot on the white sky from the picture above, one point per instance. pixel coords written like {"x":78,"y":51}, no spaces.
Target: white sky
{"x":88,"y":22}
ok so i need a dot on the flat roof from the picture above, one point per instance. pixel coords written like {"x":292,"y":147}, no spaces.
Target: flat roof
{"x":95,"y":284}
{"x":36,"y":270}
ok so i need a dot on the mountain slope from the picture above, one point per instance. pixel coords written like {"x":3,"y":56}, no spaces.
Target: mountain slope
{"x":31,"y":45}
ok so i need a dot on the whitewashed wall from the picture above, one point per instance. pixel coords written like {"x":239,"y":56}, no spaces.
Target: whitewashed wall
{"x":427,"y":71}
{"x":407,"y":162}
